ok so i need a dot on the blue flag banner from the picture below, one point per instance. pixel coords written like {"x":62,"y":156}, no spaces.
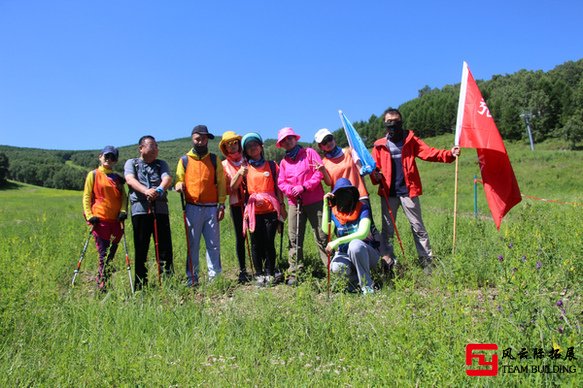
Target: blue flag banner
{"x":361,"y":155}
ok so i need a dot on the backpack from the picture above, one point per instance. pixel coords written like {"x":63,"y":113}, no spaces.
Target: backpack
{"x":184,"y":159}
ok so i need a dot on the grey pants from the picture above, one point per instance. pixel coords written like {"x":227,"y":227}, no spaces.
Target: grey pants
{"x":356,"y":263}
{"x":412,"y":209}
{"x":312,"y":213}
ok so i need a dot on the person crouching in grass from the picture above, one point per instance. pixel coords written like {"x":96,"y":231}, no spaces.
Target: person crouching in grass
{"x":356,"y":249}
{"x":105,"y":207}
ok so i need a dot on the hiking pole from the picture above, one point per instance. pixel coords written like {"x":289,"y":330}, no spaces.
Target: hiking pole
{"x":81,"y":257}
{"x":153,"y":211}
{"x":125,"y":245}
{"x":385,"y":195}
{"x":188,"y":260}
{"x":244,"y":194}
{"x":329,"y":238}
{"x":298,"y":212}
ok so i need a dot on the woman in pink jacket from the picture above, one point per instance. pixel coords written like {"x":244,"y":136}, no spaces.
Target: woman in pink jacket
{"x":300,"y":181}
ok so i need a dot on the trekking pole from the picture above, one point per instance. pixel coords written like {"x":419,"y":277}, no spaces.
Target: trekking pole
{"x":298,"y":212}
{"x":385,"y":195}
{"x":329,"y":238}
{"x":188,"y":260}
{"x":125,"y":245}
{"x":76,"y":272}
{"x":244,"y":194}
{"x":153,"y":211}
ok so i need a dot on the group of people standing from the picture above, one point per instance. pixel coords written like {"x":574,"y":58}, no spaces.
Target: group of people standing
{"x":258,"y":189}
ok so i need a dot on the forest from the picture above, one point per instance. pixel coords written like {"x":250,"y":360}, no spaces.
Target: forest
{"x":552,"y":102}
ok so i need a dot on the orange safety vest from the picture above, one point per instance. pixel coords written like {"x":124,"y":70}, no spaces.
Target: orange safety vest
{"x":200,"y":181}
{"x":107,"y":193}
{"x":261,"y":180}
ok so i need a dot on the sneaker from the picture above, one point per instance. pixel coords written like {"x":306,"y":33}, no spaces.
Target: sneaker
{"x":260,"y":279}
{"x":269,"y":280}
{"x":427,"y":264}
{"x":278,"y":278}
{"x":291,"y":281}
{"x":367,"y":290}
{"x":243,"y":277}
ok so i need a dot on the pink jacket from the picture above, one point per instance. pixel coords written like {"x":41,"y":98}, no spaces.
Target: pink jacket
{"x":301,"y":171}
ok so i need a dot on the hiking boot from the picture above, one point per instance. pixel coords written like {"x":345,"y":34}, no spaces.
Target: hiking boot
{"x":243,"y":277}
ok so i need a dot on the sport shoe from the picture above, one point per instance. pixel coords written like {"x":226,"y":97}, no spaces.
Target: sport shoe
{"x":291,"y":281}
{"x":367,"y":290}
{"x":269,"y":280}
{"x":387,"y":266}
{"x":243,"y":277}
{"x":260,"y":279}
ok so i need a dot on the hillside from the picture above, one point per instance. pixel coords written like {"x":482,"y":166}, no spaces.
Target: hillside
{"x":553,"y":100}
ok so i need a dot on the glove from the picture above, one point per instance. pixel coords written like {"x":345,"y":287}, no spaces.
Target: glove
{"x":93,"y":220}
{"x":297,"y":190}
{"x":122,"y":216}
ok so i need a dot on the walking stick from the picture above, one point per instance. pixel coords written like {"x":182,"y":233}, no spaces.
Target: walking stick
{"x":188,"y":260}
{"x":385,"y":195}
{"x":76,"y":272}
{"x":125,"y":245}
{"x":298,"y":212}
{"x":329,"y":237}
{"x":152,"y":210}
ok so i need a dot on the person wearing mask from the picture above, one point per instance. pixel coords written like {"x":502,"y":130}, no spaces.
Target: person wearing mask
{"x":400,"y":184}
{"x":201,"y":179}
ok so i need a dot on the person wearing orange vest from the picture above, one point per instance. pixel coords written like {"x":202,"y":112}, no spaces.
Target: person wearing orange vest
{"x":201,"y":179}
{"x":230,"y":146}
{"x":265,"y":211}
{"x":104,"y":206}
{"x":338,"y":163}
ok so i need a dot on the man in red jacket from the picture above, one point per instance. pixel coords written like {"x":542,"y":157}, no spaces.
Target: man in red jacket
{"x":400,"y":184}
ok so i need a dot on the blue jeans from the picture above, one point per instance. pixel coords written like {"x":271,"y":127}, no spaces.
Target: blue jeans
{"x":202,"y":220}
{"x":356,"y":263}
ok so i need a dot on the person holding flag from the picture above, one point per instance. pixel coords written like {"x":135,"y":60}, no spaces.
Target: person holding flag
{"x":400,"y":184}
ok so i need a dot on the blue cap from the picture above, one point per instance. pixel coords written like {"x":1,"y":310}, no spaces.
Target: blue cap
{"x":344,"y":184}
{"x":110,"y":150}
{"x":251,"y":136}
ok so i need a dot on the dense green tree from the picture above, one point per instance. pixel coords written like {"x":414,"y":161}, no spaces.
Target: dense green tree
{"x":4,"y":165}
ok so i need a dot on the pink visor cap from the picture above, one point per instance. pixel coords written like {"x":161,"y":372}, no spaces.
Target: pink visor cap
{"x":285,"y":132}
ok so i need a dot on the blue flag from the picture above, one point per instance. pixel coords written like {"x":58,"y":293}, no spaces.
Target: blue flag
{"x":360,"y":153}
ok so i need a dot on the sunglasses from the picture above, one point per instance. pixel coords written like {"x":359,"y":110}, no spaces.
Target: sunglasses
{"x":327,"y":139}
{"x":232,"y":142}
{"x":111,"y":157}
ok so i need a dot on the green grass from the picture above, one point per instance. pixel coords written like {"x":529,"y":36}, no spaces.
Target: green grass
{"x":412,"y":332}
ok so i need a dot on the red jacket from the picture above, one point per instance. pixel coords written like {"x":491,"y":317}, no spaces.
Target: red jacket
{"x":413,"y":147}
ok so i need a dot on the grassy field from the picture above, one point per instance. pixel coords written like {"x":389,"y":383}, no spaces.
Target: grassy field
{"x":518,"y":288}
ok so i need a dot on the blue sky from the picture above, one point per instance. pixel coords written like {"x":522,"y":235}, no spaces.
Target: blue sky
{"x":82,"y":74}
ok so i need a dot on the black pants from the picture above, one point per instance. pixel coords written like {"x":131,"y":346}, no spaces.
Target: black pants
{"x":143,"y":225}
{"x":263,"y":243}
{"x":237,"y":217}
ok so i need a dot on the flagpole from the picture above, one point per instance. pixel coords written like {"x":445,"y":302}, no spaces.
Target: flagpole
{"x":455,"y":205}
{"x":458,"y":128}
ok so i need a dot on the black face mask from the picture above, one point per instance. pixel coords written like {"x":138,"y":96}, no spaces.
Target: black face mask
{"x":394,"y":129}
{"x":201,"y":150}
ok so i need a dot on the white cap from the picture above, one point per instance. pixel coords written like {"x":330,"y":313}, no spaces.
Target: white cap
{"x":321,"y":134}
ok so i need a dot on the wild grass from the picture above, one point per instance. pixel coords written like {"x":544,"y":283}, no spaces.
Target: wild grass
{"x":498,"y":287}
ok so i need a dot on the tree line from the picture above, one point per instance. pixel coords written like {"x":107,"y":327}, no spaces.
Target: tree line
{"x":553,"y":100}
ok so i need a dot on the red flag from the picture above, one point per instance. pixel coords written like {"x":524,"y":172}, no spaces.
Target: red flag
{"x":475,"y":128}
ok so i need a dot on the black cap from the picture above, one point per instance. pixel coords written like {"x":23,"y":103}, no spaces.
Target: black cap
{"x":203,"y":130}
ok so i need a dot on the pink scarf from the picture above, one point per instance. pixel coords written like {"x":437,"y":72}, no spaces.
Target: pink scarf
{"x":249,"y":215}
